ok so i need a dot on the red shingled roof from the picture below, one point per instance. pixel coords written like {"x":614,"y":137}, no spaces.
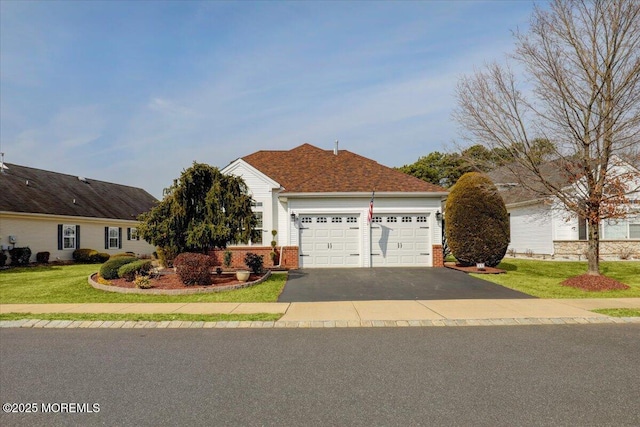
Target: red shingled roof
{"x":309,"y":169}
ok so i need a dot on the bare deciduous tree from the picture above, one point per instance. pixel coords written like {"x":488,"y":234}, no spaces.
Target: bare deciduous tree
{"x":580,"y":63}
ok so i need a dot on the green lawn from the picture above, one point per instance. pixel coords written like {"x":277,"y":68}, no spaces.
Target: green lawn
{"x":155,"y":317}
{"x":542,"y":278}
{"x":68,"y":284}
{"x":619,"y":312}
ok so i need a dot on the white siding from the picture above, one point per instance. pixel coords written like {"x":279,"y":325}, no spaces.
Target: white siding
{"x":531,"y":229}
{"x":260,"y":189}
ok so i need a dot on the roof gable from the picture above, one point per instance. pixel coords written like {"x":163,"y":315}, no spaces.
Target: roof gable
{"x":30,"y":190}
{"x":309,"y":169}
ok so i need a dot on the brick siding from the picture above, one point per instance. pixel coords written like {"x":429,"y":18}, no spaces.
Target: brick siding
{"x":438,"y":256}
{"x":289,"y":256}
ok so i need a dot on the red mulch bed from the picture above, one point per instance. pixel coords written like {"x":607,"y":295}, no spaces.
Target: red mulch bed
{"x":170,"y":280}
{"x":474,"y":269}
{"x":589,"y":282}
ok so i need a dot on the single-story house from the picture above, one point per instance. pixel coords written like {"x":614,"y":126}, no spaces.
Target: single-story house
{"x":318,"y":201}
{"x":542,"y":226}
{"x":58,"y":213}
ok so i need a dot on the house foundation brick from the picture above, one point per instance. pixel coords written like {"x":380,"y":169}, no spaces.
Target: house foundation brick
{"x":288,"y":256}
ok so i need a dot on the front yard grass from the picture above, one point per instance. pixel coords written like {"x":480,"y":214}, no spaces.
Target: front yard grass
{"x":151,"y":317}
{"x":68,"y":284}
{"x":619,"y":312}
{"x":542,"y":278}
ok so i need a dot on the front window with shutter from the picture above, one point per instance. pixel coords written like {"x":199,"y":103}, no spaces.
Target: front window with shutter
{"x":114,"y":238}
{"x":69,"y":237}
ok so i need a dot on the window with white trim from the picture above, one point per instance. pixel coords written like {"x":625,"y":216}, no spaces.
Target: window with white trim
{"x":258,"y":238}
{"x":634,"y":230}
{"x":134,"y":233}
{"x":68,"y":237}
{"x":114,"y":238}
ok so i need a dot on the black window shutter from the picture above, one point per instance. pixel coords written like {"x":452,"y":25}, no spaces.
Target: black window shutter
{"x":78,"y":237}
{"x":106,"y":237}
{"x":128,"y":233}
{"x":59,"y":237}
{"x":119,"y":237}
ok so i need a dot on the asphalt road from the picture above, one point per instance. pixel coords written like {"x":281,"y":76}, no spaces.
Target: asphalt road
{"x":456,"y":376}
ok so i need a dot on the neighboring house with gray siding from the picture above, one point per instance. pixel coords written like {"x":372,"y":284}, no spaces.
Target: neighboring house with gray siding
{"x":58,"y":213}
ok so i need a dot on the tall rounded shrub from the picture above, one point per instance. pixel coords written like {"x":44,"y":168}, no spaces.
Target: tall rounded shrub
{"x":477,"y":225}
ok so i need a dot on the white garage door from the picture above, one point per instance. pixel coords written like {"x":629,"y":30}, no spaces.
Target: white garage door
{"x":400,"y":240}
{"x":329,"y":241}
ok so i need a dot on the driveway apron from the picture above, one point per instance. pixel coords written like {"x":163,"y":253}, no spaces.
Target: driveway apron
{"x":365,"y":284}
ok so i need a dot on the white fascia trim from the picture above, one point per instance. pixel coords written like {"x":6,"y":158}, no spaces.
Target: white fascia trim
{"x":67,"y":218}
{"x":228,"y":170}
{"x":525,"y":203}
{"x":361,"y":194}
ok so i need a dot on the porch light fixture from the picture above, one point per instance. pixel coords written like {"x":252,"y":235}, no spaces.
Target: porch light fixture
{"x":293,"y":216}
{"x":438,"y":216}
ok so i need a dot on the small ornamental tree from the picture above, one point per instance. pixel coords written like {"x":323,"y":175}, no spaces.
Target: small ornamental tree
{"x":203,"y":209}
{"x":477,"y":225}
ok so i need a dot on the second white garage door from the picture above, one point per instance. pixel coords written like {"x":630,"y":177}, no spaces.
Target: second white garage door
{"x":329,"y":241}
{"x":400,"y":241}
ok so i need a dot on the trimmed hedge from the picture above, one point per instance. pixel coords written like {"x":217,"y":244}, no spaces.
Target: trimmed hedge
{"x":477,"y":223}
{"x":89,"y":256}
{"x":109,"y":270}
{"x":131,"y":270}
{"x":193,"y":269}
{"x":20,"y":256}
{"x":43,"y":257}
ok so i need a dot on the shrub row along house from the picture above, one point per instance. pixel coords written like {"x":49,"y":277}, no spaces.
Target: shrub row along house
{"x":58,"y":213}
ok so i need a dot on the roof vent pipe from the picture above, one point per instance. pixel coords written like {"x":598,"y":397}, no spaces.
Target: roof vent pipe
{"x":335,"y":149}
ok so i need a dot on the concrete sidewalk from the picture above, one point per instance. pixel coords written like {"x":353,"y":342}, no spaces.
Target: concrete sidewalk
{"x":346,"y":313}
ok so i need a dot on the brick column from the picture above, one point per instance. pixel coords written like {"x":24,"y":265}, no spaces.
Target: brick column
{"x":438,"y":258}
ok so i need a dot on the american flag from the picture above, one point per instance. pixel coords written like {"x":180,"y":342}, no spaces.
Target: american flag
{"x":370,"y":217}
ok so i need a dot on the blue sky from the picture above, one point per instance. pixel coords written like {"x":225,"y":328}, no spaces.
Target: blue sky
{"x":134,"y":92}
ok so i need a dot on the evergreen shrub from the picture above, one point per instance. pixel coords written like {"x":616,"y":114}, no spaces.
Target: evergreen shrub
{"x":137,"y":268}
{"x":477,"y":223}
{"x":109,"y":270}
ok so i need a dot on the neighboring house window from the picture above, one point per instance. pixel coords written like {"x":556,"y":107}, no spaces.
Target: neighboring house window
{"x":634,"y":231}
{"x":68,"y":236}
{"x":113,"y":238}
{"x":132,"y":234}
{"x":256,"y":204}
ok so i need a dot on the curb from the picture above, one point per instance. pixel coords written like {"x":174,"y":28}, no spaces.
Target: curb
{"x":280,"y":324}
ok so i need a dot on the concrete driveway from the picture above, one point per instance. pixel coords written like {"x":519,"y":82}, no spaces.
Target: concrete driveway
{"x":365,"y":284}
